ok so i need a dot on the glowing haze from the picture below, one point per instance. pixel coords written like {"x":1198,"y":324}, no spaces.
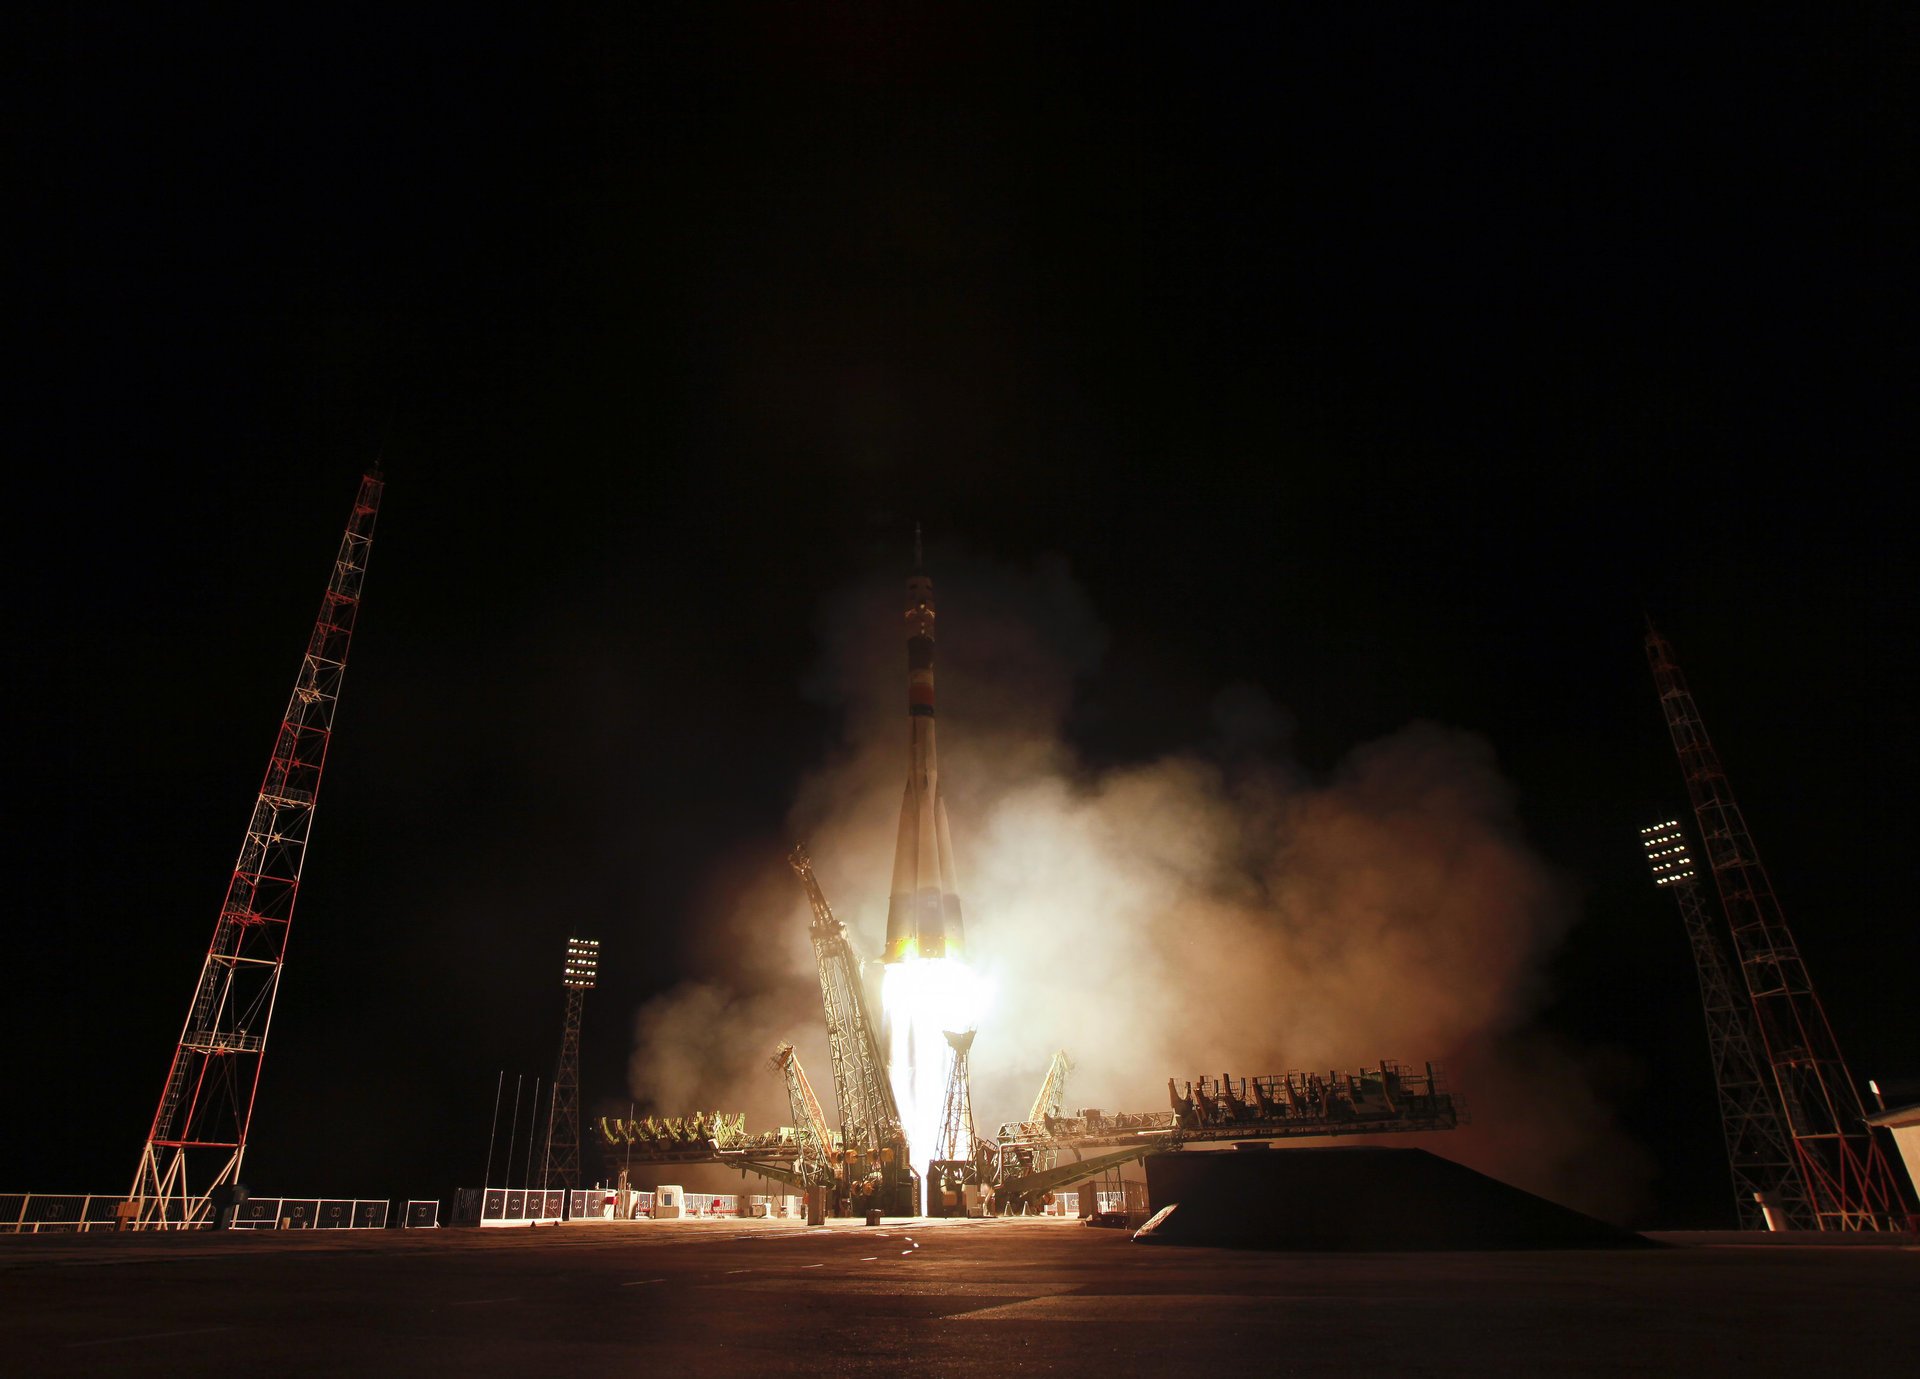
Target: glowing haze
{"x":1211,"y":910}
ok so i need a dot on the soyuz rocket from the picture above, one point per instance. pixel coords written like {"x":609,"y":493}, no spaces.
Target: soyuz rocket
{"x":923,"y":909}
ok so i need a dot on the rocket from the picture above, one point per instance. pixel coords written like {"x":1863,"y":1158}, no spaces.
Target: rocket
{"x":923,"y":909}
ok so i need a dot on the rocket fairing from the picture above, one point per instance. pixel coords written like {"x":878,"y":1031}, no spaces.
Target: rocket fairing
{"x":923,"y":909}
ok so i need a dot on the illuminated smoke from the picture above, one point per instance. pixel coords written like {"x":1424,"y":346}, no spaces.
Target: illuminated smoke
{"x":1210,"y":910}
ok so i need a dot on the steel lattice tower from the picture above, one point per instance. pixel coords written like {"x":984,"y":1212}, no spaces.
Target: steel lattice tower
{"x":1849,"y":1184}
{"x":580,"y":975}
{"x":956,"y":1142}
{"x":1760,"y":1153}
{"x":870,"y":1130}
{"x":199,"y":1131}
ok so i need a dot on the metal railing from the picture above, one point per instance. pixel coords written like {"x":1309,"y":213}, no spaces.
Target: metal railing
{"x":311,"y":1213}
{"x":48,"y":1213}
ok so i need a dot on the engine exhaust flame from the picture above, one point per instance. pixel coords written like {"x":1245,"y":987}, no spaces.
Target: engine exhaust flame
{"x":922,"y":999}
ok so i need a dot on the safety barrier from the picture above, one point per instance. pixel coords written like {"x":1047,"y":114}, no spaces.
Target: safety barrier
{"x":709,"y":1204}
{"x":518,"y":1206}
{"x":48,"y":1213}
{"x":310,"y":1213}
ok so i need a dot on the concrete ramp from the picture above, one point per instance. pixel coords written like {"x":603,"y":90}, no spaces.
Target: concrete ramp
{"x":1360,"y":1198}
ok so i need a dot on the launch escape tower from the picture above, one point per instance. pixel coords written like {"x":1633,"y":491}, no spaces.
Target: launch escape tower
{"x":562,"y":1159}
{"x":870,"y":1130}
{"x":1760,"y":1153}
{"x":198,"y":1136}
{"x":1848,"y":1182}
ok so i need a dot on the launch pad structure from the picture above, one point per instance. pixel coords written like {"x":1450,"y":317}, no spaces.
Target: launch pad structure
{"x":870,"y":1163}
{"x":876,"y":1170}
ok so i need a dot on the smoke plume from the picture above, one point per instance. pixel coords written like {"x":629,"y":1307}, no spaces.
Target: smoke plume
{"x":1212,"y":911}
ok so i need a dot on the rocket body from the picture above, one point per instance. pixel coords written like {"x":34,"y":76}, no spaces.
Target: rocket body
{"x":923,"y":907}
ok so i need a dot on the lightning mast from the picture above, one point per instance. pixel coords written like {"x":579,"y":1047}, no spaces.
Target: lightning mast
{"x":580,"y":974}
{"x":1759,"y":1150}
{"x":1849,"y":1184}
{"x":869,"y":1115}
{"x":199,"y":1131}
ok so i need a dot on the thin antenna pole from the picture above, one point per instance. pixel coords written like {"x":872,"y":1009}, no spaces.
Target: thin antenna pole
{"x":533,"y":1128}
{"x":494,"y":1128}
{"x":546,"y":1154}
{"x":513,"y":1135}
{"x":918,"y":563}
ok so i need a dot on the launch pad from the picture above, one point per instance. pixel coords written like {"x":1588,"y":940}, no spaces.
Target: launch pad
{"x":960,"y":1298}
{"x":897,"y":1151}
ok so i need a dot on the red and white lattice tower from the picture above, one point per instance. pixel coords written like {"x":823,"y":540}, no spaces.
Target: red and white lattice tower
{"x":1849,"y":1184}
{"x":199,"y":1131}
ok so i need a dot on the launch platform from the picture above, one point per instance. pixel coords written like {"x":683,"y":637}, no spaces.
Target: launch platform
{"x":958,"y":1297}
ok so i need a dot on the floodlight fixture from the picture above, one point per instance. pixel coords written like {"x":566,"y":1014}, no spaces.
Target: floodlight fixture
{"x":1667,"y":855}
{"x":582,"y":970}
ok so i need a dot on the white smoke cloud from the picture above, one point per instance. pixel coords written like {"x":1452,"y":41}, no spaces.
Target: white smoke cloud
{"x":1206,"y":912}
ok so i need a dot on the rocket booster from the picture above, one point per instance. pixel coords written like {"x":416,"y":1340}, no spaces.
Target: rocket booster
{"x":923,"y":910}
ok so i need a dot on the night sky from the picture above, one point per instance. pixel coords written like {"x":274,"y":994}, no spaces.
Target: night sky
{"x":1394,"y":364}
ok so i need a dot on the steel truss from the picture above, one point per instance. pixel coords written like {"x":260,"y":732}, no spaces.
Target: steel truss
{"x":870,"y":1129}
{"x":1760,"y":1154}
{"x":1849,"y":1185}
{"x":580,"y":975}
{"x":198,"y":1135}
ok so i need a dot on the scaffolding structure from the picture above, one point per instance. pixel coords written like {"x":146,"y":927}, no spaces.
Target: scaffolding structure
{"x":1849,"y":1184}
{"x":198,"y":1136}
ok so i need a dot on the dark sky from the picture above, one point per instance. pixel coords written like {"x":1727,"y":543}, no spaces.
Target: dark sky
{"x":1393,"y":363}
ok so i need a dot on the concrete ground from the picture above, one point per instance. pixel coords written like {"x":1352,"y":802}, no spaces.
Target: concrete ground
{"x":937,"y":1298}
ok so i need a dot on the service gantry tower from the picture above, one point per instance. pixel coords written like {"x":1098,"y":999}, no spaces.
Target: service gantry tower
{"x":870,"y":1130}
{"x":1849,"y":1183}
{"x":814,"y":1165}
{"x":198,"y":1136}
{"x":580,"y":974}
{"x":1760,"y":1153}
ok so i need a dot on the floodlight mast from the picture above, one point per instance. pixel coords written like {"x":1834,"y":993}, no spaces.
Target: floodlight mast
{"x":580,"y":974}
{"x":198,"y":1136}
{"x":1760,"y":1158}
{"x":1850,"y":1185}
